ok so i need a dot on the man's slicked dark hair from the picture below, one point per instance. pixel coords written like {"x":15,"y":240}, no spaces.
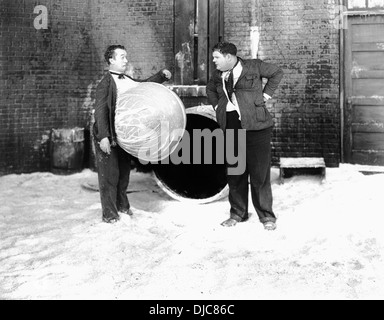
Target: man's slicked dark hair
{"x":109,"y":53}
{"x":225,"y":48}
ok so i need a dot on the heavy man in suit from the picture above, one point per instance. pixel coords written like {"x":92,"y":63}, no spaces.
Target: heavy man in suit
{"x":236,"y":92}
{"x":113,"y":163}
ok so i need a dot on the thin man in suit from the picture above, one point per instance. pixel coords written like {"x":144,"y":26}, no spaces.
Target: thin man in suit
{"x":235,"y":90}
{"x":113,"y":163}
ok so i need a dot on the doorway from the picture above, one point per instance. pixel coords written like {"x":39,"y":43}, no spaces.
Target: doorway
{"x":364,"y":90}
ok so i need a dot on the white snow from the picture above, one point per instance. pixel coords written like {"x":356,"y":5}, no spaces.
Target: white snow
{"x":328,"y":245}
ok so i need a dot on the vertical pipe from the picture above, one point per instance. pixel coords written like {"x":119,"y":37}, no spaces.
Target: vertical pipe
{"x":255,"y":30}
{"x":341,"y":92}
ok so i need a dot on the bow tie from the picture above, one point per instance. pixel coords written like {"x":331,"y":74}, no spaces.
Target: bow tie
{"x":121,"y":75}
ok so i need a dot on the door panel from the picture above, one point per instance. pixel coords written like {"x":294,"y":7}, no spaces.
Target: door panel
{"x":366,"y":30}
{"x":368,"y":87}
{"x":364,"y":90}
{"x":368,"y":114}
{"x":368,"y":141}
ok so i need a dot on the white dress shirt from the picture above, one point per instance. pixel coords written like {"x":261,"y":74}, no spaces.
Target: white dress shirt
{"x":232,"y":106}
{"x":123,"y":85}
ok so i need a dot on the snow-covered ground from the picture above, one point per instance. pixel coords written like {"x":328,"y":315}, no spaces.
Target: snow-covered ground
{"x":328,"y":245}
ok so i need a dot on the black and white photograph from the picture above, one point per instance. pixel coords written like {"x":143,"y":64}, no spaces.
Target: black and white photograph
{"x":191,"y":150}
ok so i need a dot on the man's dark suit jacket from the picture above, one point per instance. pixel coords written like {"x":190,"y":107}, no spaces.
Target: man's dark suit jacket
{"x":249,"y":94}
{"x":106,"y":95}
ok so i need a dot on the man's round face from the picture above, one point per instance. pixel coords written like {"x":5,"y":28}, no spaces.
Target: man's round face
{"x":119,"y":62}
{"x":223,"y":62}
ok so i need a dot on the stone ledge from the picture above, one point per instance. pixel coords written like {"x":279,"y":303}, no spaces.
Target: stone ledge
{"x":188,"y":91}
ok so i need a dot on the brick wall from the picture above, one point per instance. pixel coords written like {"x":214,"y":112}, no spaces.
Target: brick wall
{"x":48,"y":76}
{"x":46,"y":73}
{"x":145,"y":27}
{"x":300,"y":37}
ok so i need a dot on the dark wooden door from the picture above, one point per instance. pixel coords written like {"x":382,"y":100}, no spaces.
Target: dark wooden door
{"x":199,"y":25}
{"x":364,"y":90}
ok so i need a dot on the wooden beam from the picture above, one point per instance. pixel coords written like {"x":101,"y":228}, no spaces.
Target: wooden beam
{"x":214,"y":28}
{"x":203,"y":50}
{"x":221,"y":17}
{"x":184,"y":41}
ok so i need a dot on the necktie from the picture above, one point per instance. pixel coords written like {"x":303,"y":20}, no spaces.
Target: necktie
{"x":121,"y":75}
{"x":229,"y":85}
{"x":229,"y":82}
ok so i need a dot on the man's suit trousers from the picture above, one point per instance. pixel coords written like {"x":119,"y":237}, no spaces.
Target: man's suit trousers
{"x":257,"y":171}
{"x":114,"y":172}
